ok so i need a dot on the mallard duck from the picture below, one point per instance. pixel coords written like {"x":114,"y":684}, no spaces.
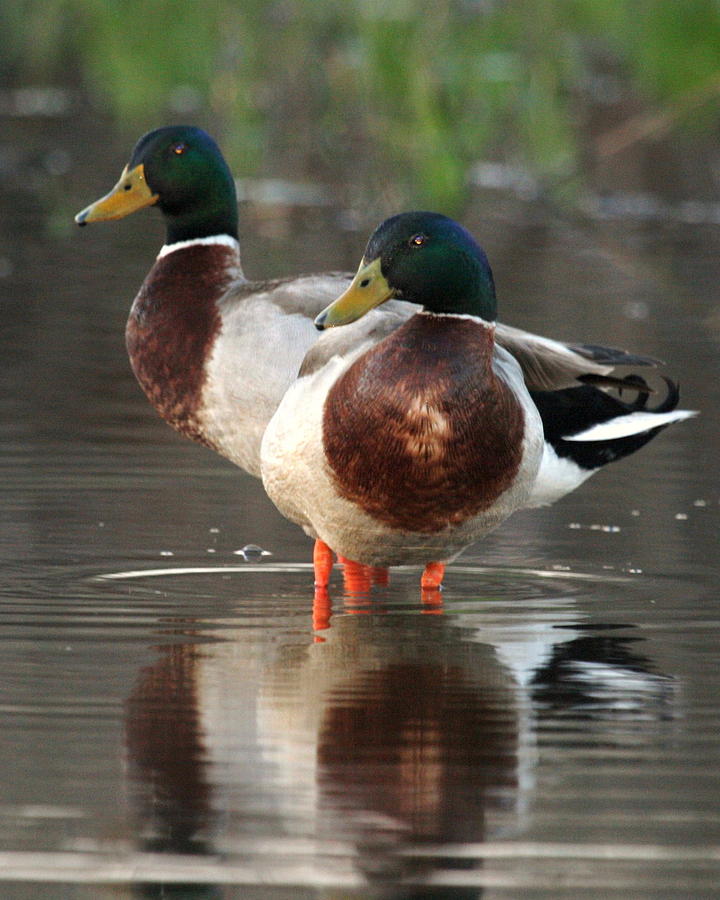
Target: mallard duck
{"x":214,"y":352}
{"x":408,"y":449}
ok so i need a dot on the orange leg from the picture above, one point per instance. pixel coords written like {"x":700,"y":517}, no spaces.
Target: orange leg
{"x":431,"y":585}
{"x":322,"y":563}
{"x":432,"y":576}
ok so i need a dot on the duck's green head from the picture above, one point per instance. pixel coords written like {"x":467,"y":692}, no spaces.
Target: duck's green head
{"x":181,"y":170}
{"x":422,"y":257}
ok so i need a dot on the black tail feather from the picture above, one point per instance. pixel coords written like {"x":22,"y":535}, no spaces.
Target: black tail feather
{"x":573,"y":410}
{"x":614,"y":357}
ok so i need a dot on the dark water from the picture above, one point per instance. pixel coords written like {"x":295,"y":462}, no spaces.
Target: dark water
{"x":179,"y":722}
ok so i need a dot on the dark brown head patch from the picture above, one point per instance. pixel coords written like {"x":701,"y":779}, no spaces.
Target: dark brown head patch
{"x":419,"y":432}
{"x":172,"y":326}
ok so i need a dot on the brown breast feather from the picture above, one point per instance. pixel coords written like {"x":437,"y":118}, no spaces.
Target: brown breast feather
{"x":172,"y":326}
{"x":419,"y":432}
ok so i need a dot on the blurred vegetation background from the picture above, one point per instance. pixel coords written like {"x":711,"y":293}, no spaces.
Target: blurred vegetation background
{"x":390,"y":102}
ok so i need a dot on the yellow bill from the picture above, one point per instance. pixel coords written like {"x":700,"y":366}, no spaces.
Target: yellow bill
{"x":129,"y":194}
{"x":368,"y":289}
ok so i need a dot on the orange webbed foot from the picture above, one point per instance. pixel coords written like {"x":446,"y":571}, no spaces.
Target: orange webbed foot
{"x":433,"y":576}
{"x":356,"y":576}
{"x":359,"y":577}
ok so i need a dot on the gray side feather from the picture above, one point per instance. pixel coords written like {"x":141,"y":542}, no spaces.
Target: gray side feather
{"x":550,"y":365}
{"x":285,"y":293}
{"x":547,"y":364}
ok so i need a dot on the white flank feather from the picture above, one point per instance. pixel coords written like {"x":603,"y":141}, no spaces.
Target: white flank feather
{"x":632,"y":423}
{"x":557,"y":477}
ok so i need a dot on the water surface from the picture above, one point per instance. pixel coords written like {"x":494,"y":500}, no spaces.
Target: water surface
{"x":180,"y":721}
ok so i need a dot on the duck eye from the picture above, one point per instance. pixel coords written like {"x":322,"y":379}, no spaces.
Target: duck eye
{"x":417,"y":240}
{"x":179,"y":148}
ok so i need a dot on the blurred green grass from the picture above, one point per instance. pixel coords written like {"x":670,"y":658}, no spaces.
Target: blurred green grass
{"x":398,"y":97}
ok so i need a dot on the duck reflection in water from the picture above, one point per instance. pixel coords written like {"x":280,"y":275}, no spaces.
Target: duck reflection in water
{"x":417,"y":753}
{"x":396,"y":737}
{"x":166,"y":751}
